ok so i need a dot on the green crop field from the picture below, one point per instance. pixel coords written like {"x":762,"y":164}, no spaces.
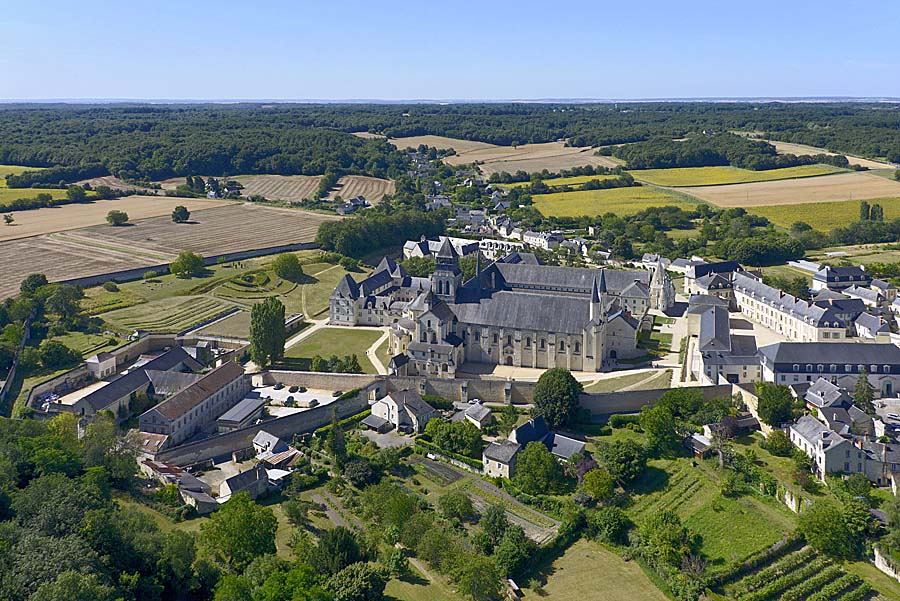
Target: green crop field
{"x":334,"y":341}
{"x":11,"y":169}
{"x":588,"y":571}
{"x":7,"y":195}
{"x":716,"y":176}
{"x":575,"y":180}
{"x":621,"y":201}
{"x":824,"y":216}
{"x":167,"y":315}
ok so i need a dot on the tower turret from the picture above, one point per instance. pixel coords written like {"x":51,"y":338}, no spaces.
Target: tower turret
{"x":447,"y":276}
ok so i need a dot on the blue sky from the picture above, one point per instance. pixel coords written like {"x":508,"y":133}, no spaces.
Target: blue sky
{"x":447,"y":50}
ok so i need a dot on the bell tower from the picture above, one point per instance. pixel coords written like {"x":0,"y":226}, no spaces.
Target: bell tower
{"x":447,"y":276}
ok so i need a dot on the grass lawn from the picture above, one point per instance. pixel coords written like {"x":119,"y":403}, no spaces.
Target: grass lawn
{"x":233,"y":326}
{"x":587,"y":571}
{"x":87,"y":344}
{"x":887,"y":587}
{"x":714,"y":176}
{"x":824,"y":216}
{"x":416,"y":587}
{"x":788,"y":272}
{"x":15,"y":169}
{"x":693,"y":493}
{"x":621,"y":201}
{"x":166,"y":315}
{"x":615,"y":384}
{"x":384,"y":353}
{"x":27,"y":384}
{"x":334,"y":341}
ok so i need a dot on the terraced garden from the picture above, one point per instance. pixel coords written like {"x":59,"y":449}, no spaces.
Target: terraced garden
{"x":798,"y":574}
{"x":167,"y":315}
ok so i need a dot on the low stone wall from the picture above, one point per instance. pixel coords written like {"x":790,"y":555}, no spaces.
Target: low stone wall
{"x":883,"y":564}
{"x":283,"y":427}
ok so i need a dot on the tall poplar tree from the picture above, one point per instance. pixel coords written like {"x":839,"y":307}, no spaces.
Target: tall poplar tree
{"x":267,"y":332}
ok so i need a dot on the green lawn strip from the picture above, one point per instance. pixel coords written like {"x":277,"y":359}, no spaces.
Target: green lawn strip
{"x":588,"y":571}
{"x":383,"y":353}
{"x":167,"y":315}
{"x":416,"y":587}
{"x":87,"y":344}
{"x":233,"y":326}
{"x":334,"y":341}
{"x":615,"y":384}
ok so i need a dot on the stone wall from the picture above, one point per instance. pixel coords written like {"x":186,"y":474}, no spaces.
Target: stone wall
{"x":883,"y":564}
{"x":283,"y":427}
{"x":631,"y":401}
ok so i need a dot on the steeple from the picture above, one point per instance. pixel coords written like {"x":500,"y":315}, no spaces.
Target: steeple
{"x":447,"y":275}
{"x":603,"y":281}
{"x":596,"y":303}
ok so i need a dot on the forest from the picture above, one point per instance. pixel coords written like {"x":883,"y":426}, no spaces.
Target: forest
{"x":141,"y":142}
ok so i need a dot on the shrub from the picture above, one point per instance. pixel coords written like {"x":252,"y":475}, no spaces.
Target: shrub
{"x":621,"y":420}
{"x":609,"y":525}
{"x":110,"y":286}
{"x":778,"y":444}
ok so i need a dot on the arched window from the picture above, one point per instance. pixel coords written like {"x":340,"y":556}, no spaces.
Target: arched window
{"x":577,"y":347}
{"x":543,"y":343}
{"x":809,"y":367}
{"x":562,"y":346}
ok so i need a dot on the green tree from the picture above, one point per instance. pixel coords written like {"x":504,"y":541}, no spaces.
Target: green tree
{"x":778,"y":443}
{"x":336,"y":444}
{"x":233,"y":588}
{"x":775,"y":403}
{"x":267,"y":334}
{"x":8,"y":218}
{"x":864,"y":211}
{"x":477,"y":578}
{"x":457,"y":437}
{"x":187,"y":265}
{"x":664,"y":538}
{"x":556,"y":397}
{"x":181,"y":214}
{"x":76,"y":194}
{"x":609,"y":524}
{"x":537,"y":471}
{"x":863,"y":392}
{"x":877,"y":213}
{"x":625,"y":460}
{"x":117,"y":218}
{"x":72,"y":586}
{"x":56,"y":355}
{"x":598,"y":483}
{"x":494,"y":522}
{"x":513,"y":552}
{"x":287,"y":267}
{"x":31,"y":283}
{"x":337,"y":549}
{"x":822,"y":525}
{"x":420,"y":267}
{"x":240,"y":531}
{"x":358,"y":582}
{"x":64,"y":301}
{"x":456,"y":504}
{"x":659,"y":424}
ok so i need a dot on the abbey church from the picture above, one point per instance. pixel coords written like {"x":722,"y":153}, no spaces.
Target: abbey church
{"x":515,"y":312}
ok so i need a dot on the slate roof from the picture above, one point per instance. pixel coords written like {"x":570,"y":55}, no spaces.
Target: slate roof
{"x":842,"y":274}
{"x":817,"y":314}
{"x":826,"y":294}
{"x":269,"y":442}
{"x":516,"y":257}
{"x":823,"y":393}
{"x":242,"y":410}
{"x":534,"y":430}
{"x":413,"y":403}
{"x":166,"y":383}
{"x":882,"y":285}
{"x":563,"y":446}
{"x":246,"y":479}
{"x":569,"y":279}
{"x":812,"y":430}
{"x":188,"y":398}
{"x":347,"y":287}
{"x":743,"y":351}
{"x":868,"y":294}
{"x":851,"y":353}
{"x":527,"y":311}
{"x":873,"y":323}
{"x":137,"y":377}
{"x":698,"y":271}
{"x":501,"y":451}
{"x":714,"y":281}
{"x":715,"y":330}
{"x":478,"y":412}
{"x":373,"y":421}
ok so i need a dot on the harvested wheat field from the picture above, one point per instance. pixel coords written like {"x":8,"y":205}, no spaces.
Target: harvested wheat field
{"x":441,"y":143}
{"x":280,"y":187}
{"x":826,"y":188}
{"x":803,"y":150}
{"x":102,"y":249}
{"x":373,"y":188}
{"x":368,"y":135}
{"x":112,"y":181}
{"x":74,"y":216}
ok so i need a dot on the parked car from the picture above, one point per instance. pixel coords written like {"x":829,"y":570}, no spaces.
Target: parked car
{"x":278,"y":386}
{"x":293,"y":389}
{"x":337,"y":393}
{"x":302,"y":389}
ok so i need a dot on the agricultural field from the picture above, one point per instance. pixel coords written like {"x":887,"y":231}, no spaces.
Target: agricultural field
{"x":799,"y":573}
{"x":333,"y":341}
{"x":861,"y":254}
{"x":373,"y":188}
{"x":575,"y":180}
{"x":552,"y":156}
{"x":715,"y":176}
{"x":838,"y":187}
{"x":103,"y":249}
{"x":824,"y":216}
{"x":168,"y":315}
{"x":803,"y":150}
{"x":621,"y":201}
{"x":13,"y":169}
{"x":365,"y":135}
{"x":111,"y":181}
{"x":587,"y":571}
{"x":75,"y":216}
{"x":280,"y":187}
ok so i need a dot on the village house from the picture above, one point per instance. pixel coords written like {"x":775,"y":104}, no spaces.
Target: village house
{"x":254,"y":481}
{"x":499,"y":459}
{"x":197,"y":406}
{"x":544,"y":240}
{"x":699,"y":271}
{"x":536,"y":430}
{"x":476,"y":414}
{"x":404,"y":410}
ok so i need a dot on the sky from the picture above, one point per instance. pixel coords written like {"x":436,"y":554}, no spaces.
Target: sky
{"x":451,"y":50}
